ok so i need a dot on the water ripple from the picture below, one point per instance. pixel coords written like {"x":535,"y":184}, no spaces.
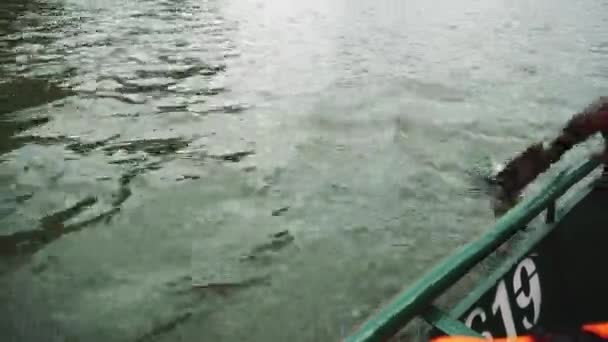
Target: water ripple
{"x":136,"y":134}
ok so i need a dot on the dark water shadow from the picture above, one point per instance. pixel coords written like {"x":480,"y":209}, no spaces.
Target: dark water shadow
{"x":51,"y":228}
{"x":20,"y":94}
{"x":165,"y":327}
{"x":17,"y":91}
{"x":155,"y":147}
{"x":20,"y":245}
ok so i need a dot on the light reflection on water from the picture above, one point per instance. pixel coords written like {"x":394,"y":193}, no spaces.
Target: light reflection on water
{"x":260,"y":170}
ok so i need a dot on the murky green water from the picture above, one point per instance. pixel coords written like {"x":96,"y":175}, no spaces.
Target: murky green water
{"x":260,"y":170}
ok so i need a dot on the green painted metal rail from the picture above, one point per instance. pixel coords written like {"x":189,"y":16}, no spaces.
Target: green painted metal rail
{"x":396,"y":314}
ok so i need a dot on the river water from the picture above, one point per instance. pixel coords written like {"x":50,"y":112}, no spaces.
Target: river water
{"x":260,"y":170}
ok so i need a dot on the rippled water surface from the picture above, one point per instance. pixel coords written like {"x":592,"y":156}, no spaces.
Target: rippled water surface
{"x":260,"y":170}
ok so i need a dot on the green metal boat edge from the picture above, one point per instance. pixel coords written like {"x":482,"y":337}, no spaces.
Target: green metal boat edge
{"x":519,"y":251}
{"x":407,"y":305}
{"x":447,"y":321}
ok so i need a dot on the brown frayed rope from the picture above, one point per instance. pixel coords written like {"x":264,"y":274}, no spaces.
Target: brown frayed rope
{"x":536,"y":159}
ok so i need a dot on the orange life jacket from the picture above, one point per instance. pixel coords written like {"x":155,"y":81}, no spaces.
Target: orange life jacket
{"x":588,"y":332}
